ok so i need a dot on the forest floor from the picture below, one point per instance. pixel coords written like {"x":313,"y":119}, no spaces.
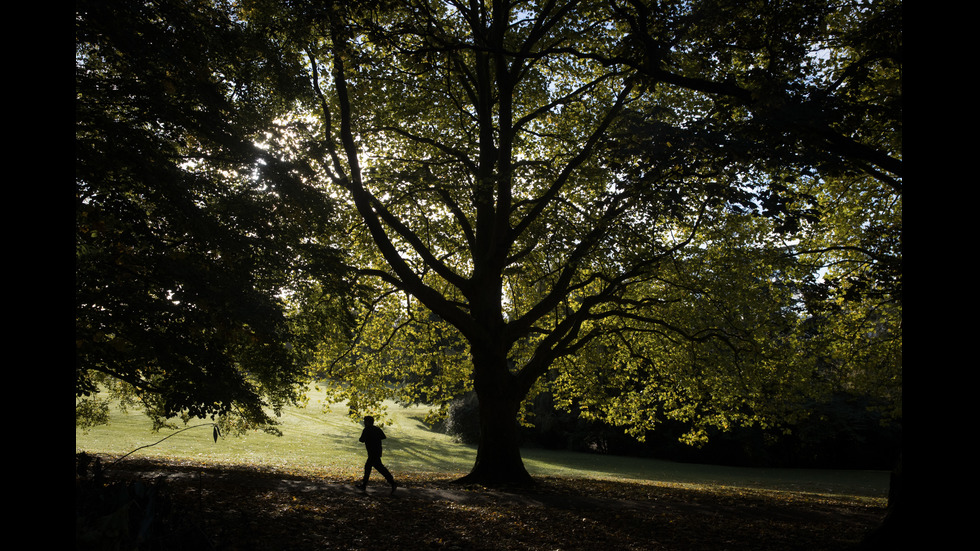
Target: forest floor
{"x":249,"y":508}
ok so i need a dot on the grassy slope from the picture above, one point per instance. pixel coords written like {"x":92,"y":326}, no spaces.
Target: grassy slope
{"x":321,"y":441}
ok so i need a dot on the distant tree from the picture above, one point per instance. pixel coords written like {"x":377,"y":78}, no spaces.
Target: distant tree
{"x":188,"y":232}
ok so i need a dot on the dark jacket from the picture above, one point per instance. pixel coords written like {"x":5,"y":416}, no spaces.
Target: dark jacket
{"x":372,"y":437}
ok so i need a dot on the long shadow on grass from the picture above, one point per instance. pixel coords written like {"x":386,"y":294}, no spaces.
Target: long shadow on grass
{"x":424,"y":453}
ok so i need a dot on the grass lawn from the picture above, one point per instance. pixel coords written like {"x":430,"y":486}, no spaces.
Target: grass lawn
{"x":295,"y":492}
{"x":317,"y":441}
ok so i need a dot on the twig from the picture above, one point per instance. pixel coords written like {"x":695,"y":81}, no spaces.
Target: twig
{"x":217,"y":432}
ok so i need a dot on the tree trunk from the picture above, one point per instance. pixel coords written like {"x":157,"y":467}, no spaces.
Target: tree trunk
{"x":498,"y":457}
{"x":891,"y":534}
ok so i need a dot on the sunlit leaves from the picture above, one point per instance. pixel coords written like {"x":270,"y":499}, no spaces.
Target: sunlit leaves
{"x":712,"y":340}
{"x":624,"y":192}
{"x":397,"y":351}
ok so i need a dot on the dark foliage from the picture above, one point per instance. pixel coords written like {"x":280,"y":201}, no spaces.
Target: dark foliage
{"x":186,"y":231}
{"x":113,"y":513}
{"x":841,"y":433}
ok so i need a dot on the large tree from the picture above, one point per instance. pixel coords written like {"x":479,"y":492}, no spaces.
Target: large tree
{"x":535,"y":173}
{"x":187,"y":231}
{"x":616,"y":200}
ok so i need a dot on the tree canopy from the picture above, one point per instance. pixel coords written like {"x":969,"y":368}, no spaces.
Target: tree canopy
{"x":646,"y":208}
{"x":187,"y":230}
{"x":558,"y":182}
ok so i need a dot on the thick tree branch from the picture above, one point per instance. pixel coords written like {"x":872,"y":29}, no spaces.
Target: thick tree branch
{"x":368,"y":206}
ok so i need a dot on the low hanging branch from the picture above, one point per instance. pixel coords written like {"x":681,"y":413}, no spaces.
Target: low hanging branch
{"x":215,"y":434}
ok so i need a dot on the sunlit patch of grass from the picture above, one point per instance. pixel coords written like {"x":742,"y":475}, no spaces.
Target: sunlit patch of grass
{"x":323,"y":443}
{"x":313,"y":440}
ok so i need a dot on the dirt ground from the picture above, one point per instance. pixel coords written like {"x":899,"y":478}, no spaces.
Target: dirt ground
{"x":237,"y":508}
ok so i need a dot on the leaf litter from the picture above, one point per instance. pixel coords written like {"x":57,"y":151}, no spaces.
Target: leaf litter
{"x":242,"y":507}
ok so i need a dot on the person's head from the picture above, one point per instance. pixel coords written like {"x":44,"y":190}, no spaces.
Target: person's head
{"x":368,"y":420}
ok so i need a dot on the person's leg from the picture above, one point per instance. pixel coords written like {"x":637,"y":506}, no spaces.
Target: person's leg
{"x":367,"y":474}
{"x":384,"y":472}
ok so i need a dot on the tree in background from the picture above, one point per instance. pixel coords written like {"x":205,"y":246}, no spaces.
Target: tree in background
{"x":188,"y":232}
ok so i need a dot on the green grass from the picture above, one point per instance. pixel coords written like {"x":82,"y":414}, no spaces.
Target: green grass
{"x":319,"y":441}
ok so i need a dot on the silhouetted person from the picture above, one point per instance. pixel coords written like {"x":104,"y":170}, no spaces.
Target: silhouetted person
{"x":372,"y":437}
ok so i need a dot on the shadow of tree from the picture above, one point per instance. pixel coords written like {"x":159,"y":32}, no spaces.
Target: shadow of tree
{"x":427,"y":454}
